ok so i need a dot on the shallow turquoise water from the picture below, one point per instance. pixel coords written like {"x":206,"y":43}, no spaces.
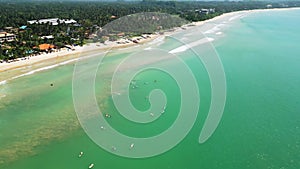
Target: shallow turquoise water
{"x":260,"y":127}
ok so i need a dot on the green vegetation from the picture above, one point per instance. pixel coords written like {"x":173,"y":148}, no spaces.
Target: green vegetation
{"x":144,"y":23}
{"x":91,"y":16}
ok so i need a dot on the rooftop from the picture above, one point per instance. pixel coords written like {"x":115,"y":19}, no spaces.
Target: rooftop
{"x":3,"y":34}
{"x":53,"y":21}
{"x":9,"y":37}
{"x":45,"y":46}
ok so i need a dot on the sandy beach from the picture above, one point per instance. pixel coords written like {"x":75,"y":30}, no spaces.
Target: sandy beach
{"x":91,"y":48}
{"x":64,"y":53}
{"x":41,"y":124}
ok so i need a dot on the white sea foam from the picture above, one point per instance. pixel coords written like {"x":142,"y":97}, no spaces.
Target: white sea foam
{"x":233,"y":18}
{"x":216,"y":28}
{"x":158,"y":41}
{"x":34,"y":71}
{"x":3,"y":82}
{"x":213,"y":30}
{"x":149,"y":48}
{"x":39,"y":70}
{"x":219,"y":33}
{"x":190,"y":45}
{"x":185,"y":38}
{"x":50,"y":67}
{"x":236,"y":17}
{"x":189,"y":34}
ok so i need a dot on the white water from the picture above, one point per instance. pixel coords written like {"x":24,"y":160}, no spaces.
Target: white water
{"x":190,"y":45}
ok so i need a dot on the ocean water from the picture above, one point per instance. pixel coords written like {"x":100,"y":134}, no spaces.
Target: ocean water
{"x":260,"y":127}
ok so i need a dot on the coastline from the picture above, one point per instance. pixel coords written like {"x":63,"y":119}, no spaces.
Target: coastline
{"x":40,"y":127}
{"x":65,"y":57}
{"x":90,"y":47}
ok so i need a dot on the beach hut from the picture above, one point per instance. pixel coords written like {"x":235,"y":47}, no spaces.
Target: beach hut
{"x":46,"y":47}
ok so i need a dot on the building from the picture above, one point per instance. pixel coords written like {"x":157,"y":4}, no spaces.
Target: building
{"x":11,"y":29}
{"x":8,"y":37}
{"x":269,"y":6}
{"x":46,"y":47}
{"x":53,"y":21}
{"x":47,"y":37}
{"x":205,"y":11}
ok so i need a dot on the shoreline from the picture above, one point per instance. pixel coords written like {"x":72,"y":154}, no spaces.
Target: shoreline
{"x":64,"y":57}
{"x":90,"y":47}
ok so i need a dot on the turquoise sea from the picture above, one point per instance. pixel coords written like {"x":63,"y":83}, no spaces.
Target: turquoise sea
{"x":260,"y":127}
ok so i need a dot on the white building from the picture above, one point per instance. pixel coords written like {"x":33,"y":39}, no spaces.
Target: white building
{"x":53,"y":21}
{"x":269,"y":6}
{"x":9,"y":37}
{"x":205,"y":11}
{"x":47,"y":37}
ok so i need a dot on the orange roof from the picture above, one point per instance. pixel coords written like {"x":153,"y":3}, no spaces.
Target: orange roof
{"x":45,"y":46}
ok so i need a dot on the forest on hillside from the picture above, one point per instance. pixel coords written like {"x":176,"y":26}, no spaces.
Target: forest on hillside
{"x":90,"y":13}
{"x":92,"y":16}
